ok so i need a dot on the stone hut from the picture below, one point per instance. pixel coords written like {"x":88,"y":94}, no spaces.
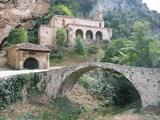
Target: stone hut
{"x":28,"y":56}
{"x":90,"y":30}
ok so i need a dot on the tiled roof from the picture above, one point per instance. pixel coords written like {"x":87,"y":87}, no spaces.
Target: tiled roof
{"x":33,"y":47}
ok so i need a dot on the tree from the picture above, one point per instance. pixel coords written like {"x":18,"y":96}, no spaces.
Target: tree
{"x":155,"y":53}
{"x":80,"y":48}
{"x":18,"y":35}
{"x":80,"y":7}
{"x":142,"y":39}
{"x":120,"y":51}
{"x":61,"y":36}
{"x":132,"y":51}
{"x":61,"y":10}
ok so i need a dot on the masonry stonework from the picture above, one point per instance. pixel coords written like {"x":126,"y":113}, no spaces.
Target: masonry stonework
{"x":146,"y":81}
{"x":24,"y":58}
{"x":58,"y":82}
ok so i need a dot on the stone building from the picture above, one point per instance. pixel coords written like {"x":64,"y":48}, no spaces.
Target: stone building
{"x":28,"y":56}
{"x":89,"y":30}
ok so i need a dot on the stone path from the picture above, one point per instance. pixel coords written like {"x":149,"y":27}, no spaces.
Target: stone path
{"x":7,"y":73}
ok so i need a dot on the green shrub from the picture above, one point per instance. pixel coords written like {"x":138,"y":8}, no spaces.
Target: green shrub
{"x":48,"y":115}
{"x":61,"y":37}
{"x":57,"y":53}
{"x":80,"y":47}
{"x":93,"y":50}
{"x":18,"y":35}
{"x":11,"y":89}
{"x":66,"y":109}
{"x":61,"y":9}
{"x":4,"y":118}
{"x":61,"y":109}
{"x":115,"y":89}
{"x":27,"y":116}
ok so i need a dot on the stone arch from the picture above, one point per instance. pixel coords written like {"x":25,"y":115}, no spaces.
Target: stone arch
{"x":71,"y":78}
{"x":89,"y":35}
{"x":79,"y":32}
{"x":99,"y":36}
{"x":31,"y":63}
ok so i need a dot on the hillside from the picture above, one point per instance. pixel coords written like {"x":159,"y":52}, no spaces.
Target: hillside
{"x":122,"y":14}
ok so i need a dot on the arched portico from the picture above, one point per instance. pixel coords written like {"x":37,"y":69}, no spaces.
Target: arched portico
{"x":79,"y":32}
{"x":89,"y":35}
{"x":99,"y":36}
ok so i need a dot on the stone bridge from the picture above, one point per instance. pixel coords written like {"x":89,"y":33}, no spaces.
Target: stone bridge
{"x":59,"y":82}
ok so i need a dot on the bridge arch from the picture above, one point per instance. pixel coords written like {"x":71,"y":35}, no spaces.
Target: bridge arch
{"x":71,"y":78}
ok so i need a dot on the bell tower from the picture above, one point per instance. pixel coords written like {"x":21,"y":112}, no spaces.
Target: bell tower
{"x":99,"y":13}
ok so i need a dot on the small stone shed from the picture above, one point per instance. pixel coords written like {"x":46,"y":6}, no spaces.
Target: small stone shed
{"x":28,"y":56}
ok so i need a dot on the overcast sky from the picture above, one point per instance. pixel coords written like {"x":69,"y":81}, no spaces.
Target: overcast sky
{"x":153,"y":4}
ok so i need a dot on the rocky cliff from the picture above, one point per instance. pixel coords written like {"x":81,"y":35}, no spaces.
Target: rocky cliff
{"x":127,"y":5}
{"x":120,"y":13}
{"x":18,"y":13}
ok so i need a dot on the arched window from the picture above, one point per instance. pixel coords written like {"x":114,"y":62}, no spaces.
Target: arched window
{"x":79,"y":32}
{"x":99,"y":36}
{"x":89,"y":35}
{"x":31,"y":63}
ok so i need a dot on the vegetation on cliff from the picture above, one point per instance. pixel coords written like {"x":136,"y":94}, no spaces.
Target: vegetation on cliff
{"x":18,"y":35}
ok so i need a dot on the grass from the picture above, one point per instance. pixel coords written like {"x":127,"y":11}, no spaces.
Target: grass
{"x":64,"y":109}
{"x":61,"y":109}
{"x":58,"y":109}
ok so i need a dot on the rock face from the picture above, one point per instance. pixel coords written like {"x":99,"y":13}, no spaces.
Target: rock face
{"x":130,"y":10}
{"x":126,"y":5}
{"x":17,"y":12}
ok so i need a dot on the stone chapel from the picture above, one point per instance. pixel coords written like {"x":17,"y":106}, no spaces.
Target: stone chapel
{"x":90,"y":30}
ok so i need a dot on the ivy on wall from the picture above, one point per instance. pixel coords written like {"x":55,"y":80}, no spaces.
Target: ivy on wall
{"x":11,"y":88}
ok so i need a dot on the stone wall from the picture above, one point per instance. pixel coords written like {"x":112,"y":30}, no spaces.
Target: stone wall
{"x":16,"y":58}
{"x":11,"y":56}
{"x":41,"y":57}
{"x":3,"y":61}
{"x":45,"y":35}
{"x":146,"y":81}
{"x":61,"y":21}
{"x":60,"y":81}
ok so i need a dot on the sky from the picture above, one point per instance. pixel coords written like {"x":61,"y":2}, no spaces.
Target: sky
{"x":153,"y":4}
